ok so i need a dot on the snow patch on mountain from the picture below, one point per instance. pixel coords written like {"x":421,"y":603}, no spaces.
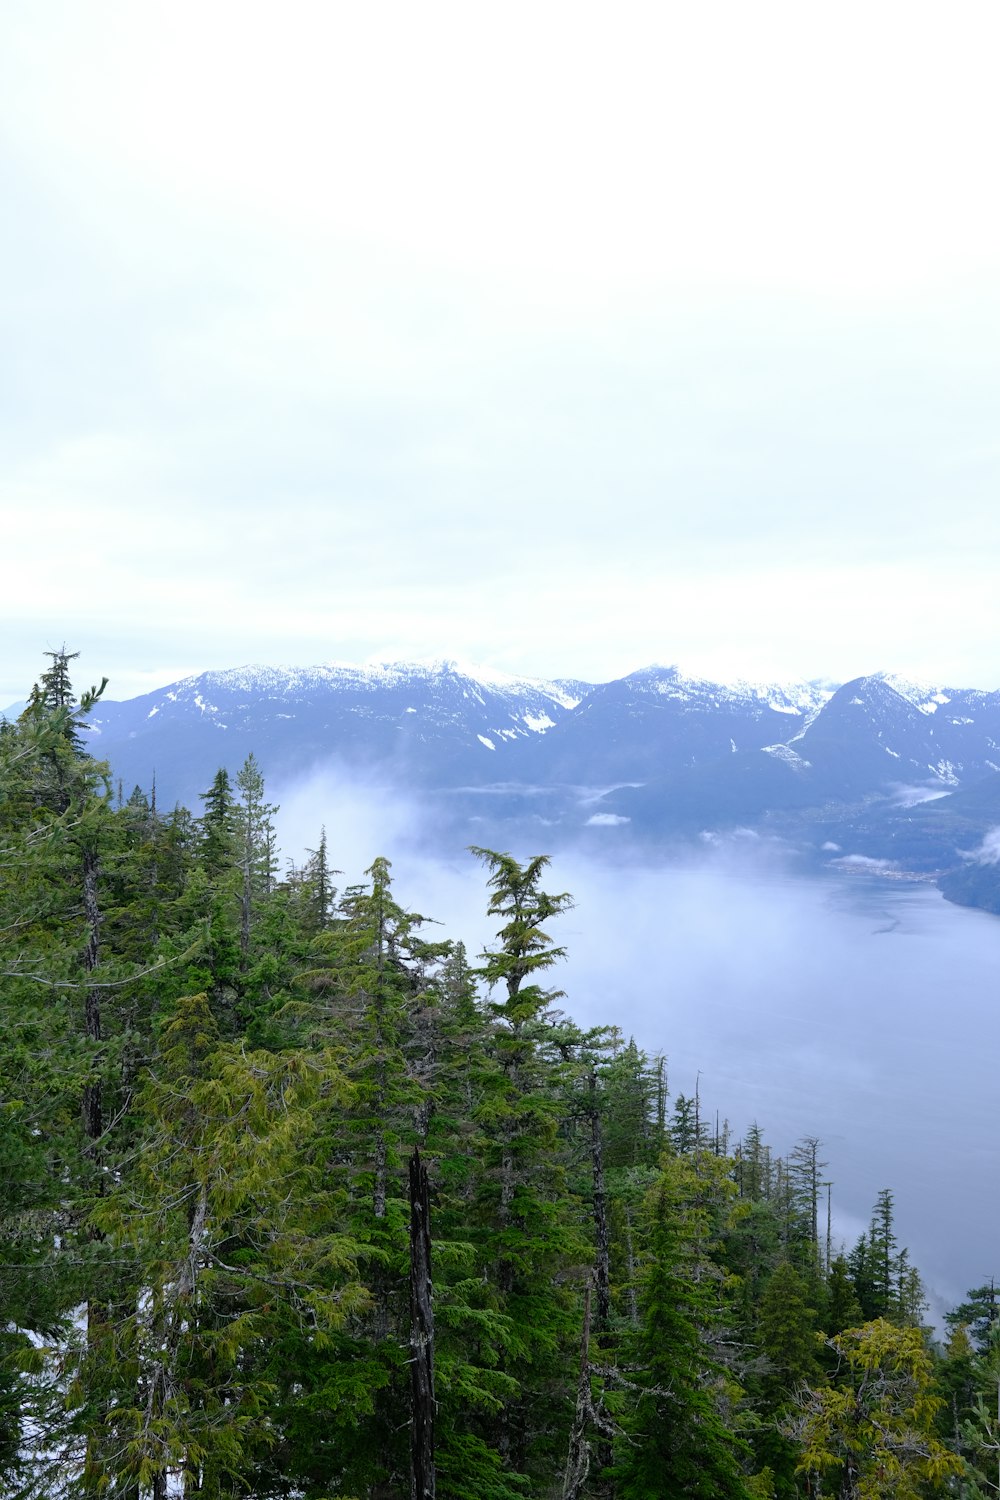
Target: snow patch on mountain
{"x":796,"y":699}
{"x":788,"y":755}
{"x":371,"y":677}
{"x":923,"y":697}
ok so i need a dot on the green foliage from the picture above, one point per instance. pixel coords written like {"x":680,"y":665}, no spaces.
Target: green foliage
{"x":874,"y":1429}
{"x":209,"y":1083}
{"x":885,"y":1283}
{"x":676,"y":1439}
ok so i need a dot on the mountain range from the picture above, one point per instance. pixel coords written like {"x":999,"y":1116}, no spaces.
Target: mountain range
{"x":874,"y":770}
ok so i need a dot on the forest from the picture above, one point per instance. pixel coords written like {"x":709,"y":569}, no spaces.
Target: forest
{"x":298,"y":1198}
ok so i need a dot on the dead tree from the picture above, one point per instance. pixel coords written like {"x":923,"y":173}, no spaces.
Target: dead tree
{"x":422,"y":1477}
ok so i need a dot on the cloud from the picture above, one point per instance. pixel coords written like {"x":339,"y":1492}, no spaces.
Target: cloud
{"x":864,"y":862}
{"x":756,"y":980}
{"x":254,"y":342}
{"x":988,"y":852}
{"x":912,"y":796}
{"x":606,"y":820}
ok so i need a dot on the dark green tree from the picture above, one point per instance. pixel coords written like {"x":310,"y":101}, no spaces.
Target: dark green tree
{"x":675,"y":1439}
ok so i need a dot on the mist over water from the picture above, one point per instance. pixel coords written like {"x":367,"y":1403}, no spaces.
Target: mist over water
{"x":853,"y":1008}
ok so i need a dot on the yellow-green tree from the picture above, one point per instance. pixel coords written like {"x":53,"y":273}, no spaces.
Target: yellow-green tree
{"x":872,"y":1432}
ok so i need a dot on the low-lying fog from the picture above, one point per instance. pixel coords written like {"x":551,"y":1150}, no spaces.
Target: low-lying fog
{"x":856,"y":1009}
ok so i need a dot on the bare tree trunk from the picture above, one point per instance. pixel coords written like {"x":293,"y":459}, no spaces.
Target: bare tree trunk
{"x":602,"y":1245}
{"x":505,"y":1269}
{"x":589,"y":1416}
{"x":602,"y":1233}
{"x":93,"y":1114}
{"x":578,"y":1458}
{"x":422,"y":1473}
{"x":381,"y":1185}
{"x":633,"y":1291}
{"x":93,"y":1117}
{"x":246,"y":905}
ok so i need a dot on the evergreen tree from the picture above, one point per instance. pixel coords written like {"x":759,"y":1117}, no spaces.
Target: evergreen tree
{"x":218,"y":826}
{"x":223,"y":1218}
{"x":979,"y":1314}
{"x":872,"y":1432}
{"x":787,"y":1333}
{"x":842,"y":1310}
{"x":675,"y":1440}
{"x":523,"y":1196}
{"x":254,"y":847}
{"x":885,"y":1283}
{"x":975,"y":1387}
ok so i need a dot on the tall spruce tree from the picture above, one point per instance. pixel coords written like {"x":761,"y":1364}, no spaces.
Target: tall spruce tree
{"x":675,"y":1439}
{"x":523,"y":1191}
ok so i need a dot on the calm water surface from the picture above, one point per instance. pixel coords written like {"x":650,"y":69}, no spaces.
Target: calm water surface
{"x":863,"y":1011}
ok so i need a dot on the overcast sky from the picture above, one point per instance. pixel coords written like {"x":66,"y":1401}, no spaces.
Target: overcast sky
{"x":560,"y":338}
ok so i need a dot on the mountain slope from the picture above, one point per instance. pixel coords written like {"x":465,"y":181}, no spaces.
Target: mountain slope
{"x":400,"y":722}
{"x":655,"y":755}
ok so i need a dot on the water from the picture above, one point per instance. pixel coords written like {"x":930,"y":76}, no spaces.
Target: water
{"x":859,"y":1010}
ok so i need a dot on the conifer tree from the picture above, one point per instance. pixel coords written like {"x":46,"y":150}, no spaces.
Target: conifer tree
{"x":872,"y":1433}
{"x":255,"y":847}
{"x":218,"y":826}
{"x":223,"y":1218}
{"x":675,"y":1439}
{"x":979,"y":1314}
{"x":786,"y":1329}
{"x":523,"y":1189}
{"x":842,"y":1309}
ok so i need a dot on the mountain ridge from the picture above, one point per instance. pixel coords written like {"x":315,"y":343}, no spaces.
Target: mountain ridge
{"x":645,"y":759}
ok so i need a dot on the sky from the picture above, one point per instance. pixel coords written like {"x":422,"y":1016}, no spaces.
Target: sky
{"x":564,"y":339}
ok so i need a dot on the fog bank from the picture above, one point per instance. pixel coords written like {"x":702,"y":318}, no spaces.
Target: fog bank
{"x":852,"y":1008}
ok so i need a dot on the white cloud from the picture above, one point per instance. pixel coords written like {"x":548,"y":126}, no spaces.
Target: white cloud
{"x":778,"y":145}
{"x":864,"y":862}
{"x":562,"y":344}
{"x":988,"y":852}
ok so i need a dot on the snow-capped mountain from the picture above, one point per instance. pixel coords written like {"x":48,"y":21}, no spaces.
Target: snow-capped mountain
{"x":400,"y":721}
{"x":875,"y":737}
{"x":654,"y":755}
{"x":658,"y":721}
{"x":882,"y":729}
{"x":441,"y":724}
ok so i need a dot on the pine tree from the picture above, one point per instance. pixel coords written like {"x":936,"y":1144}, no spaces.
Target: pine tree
{"x":218,"y":826}
{"x":842,"y":1308}
{"x":675,"y":1439}
{"x":523,"y":1198}
{"x":787,"y":1332}
{"x":254,"y":847}
{"x":226,"y":1222}
{"x":979,"y":1314}
{"x":885,"y":1283}
{"x":978,"y":1416}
